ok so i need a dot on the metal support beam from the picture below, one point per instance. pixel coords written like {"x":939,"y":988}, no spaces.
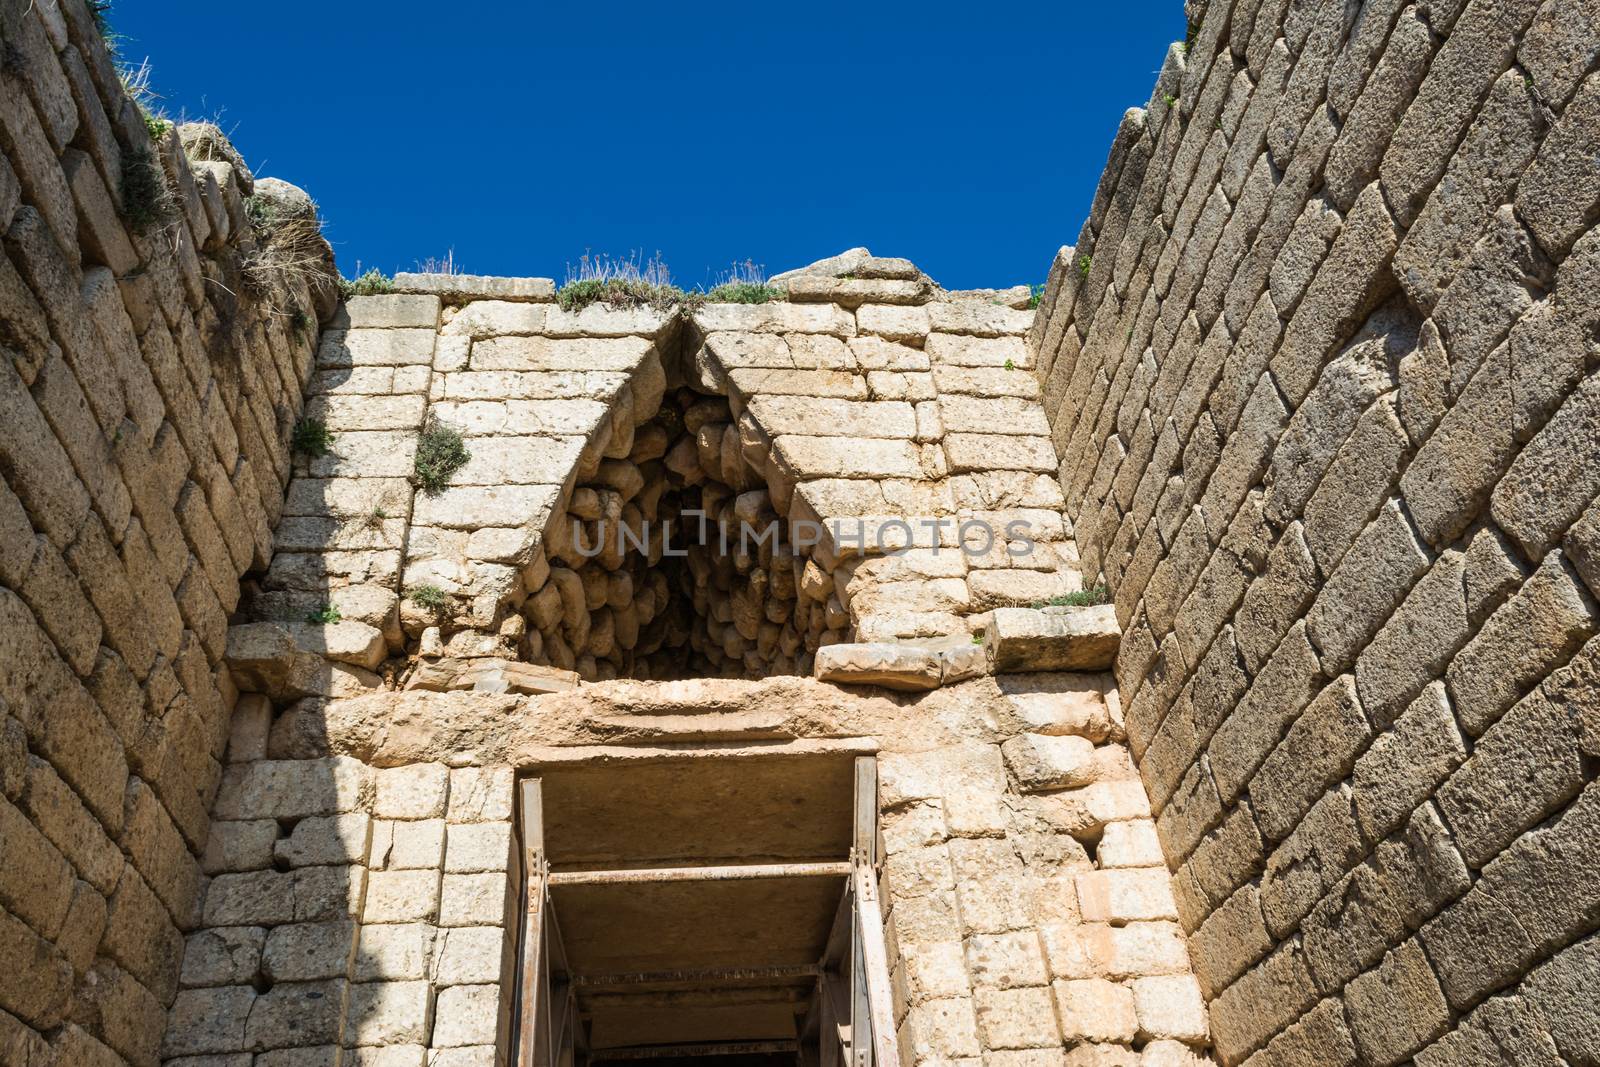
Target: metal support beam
{"x":797,"y":972}
{"x":735,"y":873}
{"x":661,"y":1052}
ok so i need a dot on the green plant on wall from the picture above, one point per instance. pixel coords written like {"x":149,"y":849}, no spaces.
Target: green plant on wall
{"x":326,"y":615}
{"x":311,"y":438}
{"x":1083,"y":598}
{"x":426,"y":596}
{"x":440,"y":453}
{"x":373,"y":283}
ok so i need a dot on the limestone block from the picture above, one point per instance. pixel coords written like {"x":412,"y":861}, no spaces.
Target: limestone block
{"x":296,"y":1014}
{"x":1169,"y":1006}
{"x":220,"y":956}
{"x":1022,"y":639}
{"x":469,"y":955}
{"x":1398,"y":1007}
{"x":935,"y":969}
{"x":324,"y":839}
{"x":239,"y":846}
{"x":328,"y":892}
{"x":845,"y":457}
{"x":208,"y":1021}
{"x":475,"y":507}
{"x":599,"y":320}
{"x":783,"y":318}
{"x":1063,"y":704}
{"x":853,"y":292}
{"x":247,"y":733}
{"x":1547,"y":620}
{"x":489,"y":318}
{"x":264,"y":658}
{"x":1094,"y":1009}
{"x":1006,"y":961}
{"x":467,"y":1056}
{"x":288,"y":789}
{"x":1555,"y":194}
{"x":341,"y":412}
{"x":896,"y":322}
{"x":480,"y":794}
{"x":394,"y":952}
{"x":779,"y":381}
{"x":346,"y":641}
{"x":1017,"y":1018}
{"x":474,"y":289}
{"x":1043,"y":762}
{"x":1130,"y":844}
{"x":521,"y":461}
{"x":307,"y":951}
{"x":1015,"y":587}
{"x":969,"y":452}
{"x":54,"y":808}
{"x":1006,"y":352}
{"x":978,"y":318}
{"x":85,"y":925}
{"x":1099,"y":951}
{"x":892,"y":666}
{"x":386,"y":311}
{"x":414,"y":792}
{"x":389,"y":1013}
{"x":250,"y":898}
{"x":376,"y":348}
{"x":993,"y":414}
{"x":961,"y":662}
{"x":1165,"y":1053}
{"x":466,"y":1015}
{"x":830,"y":417}
{"x":305,"y":1056}
{"x":473,"y":847}
{"x":994,"y":890}
{"x":946,"y":1029}
{"x":402,"y":896}
{"x":1125,"y":895}
{"x":473,"y":900}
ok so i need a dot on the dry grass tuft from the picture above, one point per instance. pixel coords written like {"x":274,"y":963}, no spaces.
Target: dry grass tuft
{"x":289,"y":247}
{"x":445,"y":264}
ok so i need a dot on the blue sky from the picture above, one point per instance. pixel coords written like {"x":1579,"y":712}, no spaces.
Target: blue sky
{"x":966,"y":137}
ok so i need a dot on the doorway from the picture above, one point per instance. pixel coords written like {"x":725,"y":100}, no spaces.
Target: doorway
{"x":715,"y":905}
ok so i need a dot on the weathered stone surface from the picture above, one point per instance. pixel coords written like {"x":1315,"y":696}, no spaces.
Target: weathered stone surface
{"x":1094,"y":1009}
{"x":891,"y":666}
{"x":1023,"y":639}
{"x":1548,"y":618}
{"x":1040,"y":762}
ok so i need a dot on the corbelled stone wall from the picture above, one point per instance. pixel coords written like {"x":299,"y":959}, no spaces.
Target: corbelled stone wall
{"x":1322,"y":375}
{"x":158,"y":310}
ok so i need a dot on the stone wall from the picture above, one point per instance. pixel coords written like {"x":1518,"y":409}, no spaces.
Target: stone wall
{"x":1321,"y":371}
{"x":353,"y":914}
{"x":358,"y":909}
{"x":158,"y":310}
{"x":865,"y":404}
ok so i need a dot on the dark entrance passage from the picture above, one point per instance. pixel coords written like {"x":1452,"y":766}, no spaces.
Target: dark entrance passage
{"x":713,"y":905}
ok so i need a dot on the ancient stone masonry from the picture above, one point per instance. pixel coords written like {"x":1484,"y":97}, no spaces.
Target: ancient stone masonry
{"x":812,"y":583}
{"x":1321,"y":372}
{"x":359,"y":884}
{"x":158,"y":313}
{"x":618,"y":458}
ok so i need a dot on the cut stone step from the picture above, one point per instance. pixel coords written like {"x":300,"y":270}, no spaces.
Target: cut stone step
{"x":880,"y":663}
{"x":1029,"y":639}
